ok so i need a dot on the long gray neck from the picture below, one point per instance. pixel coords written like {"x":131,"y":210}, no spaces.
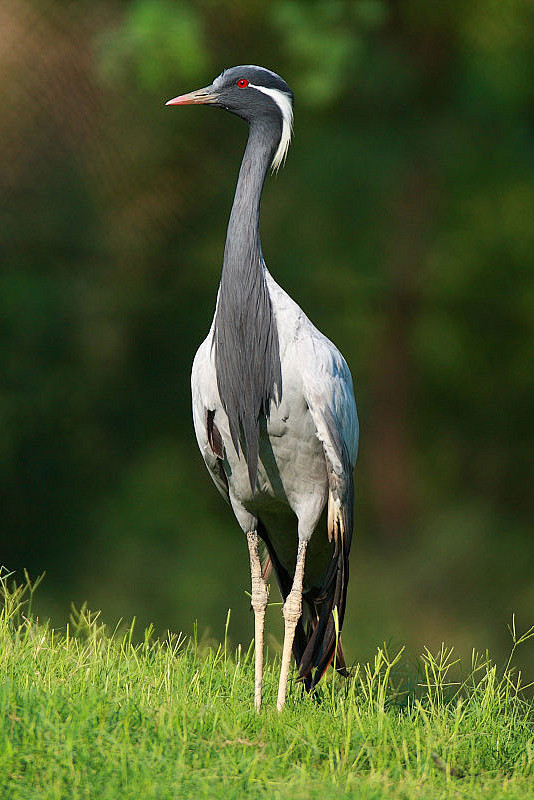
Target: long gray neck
{"x":247,"y":357}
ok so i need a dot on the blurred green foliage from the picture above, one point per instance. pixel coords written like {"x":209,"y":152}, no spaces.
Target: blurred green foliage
{"x":403,"y":224}
{"x":152,"y":42}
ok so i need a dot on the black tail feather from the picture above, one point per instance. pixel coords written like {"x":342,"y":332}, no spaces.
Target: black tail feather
{"x":322,"y":643}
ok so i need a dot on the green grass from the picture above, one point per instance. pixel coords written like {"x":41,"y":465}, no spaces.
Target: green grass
{"x":88,"y":714}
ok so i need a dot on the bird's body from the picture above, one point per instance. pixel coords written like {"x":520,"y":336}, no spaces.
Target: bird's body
{"x":292,"y":481}
{"x":273,"y":405}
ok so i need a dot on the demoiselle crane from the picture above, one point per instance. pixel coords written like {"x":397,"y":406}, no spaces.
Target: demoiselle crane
{"x":273,"y":407}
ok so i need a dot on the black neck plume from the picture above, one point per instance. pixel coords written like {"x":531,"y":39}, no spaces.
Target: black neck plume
{"x":247,"y":357}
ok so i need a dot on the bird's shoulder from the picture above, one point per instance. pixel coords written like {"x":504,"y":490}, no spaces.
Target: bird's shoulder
{"x":203,"y":380}
{"x":296,"y":330}
{"x":205,"y":399}
{"x":326,"y":378}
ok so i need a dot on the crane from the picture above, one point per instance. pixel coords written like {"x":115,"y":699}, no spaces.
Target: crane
{"x":273,"y":407}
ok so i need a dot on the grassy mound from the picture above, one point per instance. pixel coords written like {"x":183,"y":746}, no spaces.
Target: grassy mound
{"x":91,"y":714}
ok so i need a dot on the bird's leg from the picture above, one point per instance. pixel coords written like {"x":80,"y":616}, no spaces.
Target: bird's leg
{"x":292,"y":612}
{"x":259,"y":597}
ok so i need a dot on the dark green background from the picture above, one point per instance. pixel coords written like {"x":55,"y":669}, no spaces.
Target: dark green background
{"x":403,"y":223}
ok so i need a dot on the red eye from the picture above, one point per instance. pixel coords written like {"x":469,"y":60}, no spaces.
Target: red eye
{"x":242,"y":83}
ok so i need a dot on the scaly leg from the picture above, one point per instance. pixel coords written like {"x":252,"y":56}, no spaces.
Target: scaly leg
{"x":259,"y":597}
{"x":292,"y":612}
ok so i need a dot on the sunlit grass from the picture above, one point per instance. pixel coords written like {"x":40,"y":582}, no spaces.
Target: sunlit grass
{"x":86,"y":713}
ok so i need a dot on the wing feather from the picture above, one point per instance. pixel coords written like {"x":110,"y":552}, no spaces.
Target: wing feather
{"x":329,"y":393}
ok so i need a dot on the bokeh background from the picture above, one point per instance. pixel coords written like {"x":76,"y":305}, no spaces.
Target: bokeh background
{"x":403,"y":223}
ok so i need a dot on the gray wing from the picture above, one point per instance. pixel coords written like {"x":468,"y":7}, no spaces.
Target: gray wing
{"x":329,"y":393}
{"x":328,"y":390}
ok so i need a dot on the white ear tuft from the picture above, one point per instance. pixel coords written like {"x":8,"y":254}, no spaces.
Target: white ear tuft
{"x":283,"y":101}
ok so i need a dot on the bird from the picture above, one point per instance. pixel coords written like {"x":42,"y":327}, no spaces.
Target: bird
{"x":273,"y":408}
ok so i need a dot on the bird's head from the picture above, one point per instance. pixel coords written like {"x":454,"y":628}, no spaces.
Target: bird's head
{"x":254,"y":93}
